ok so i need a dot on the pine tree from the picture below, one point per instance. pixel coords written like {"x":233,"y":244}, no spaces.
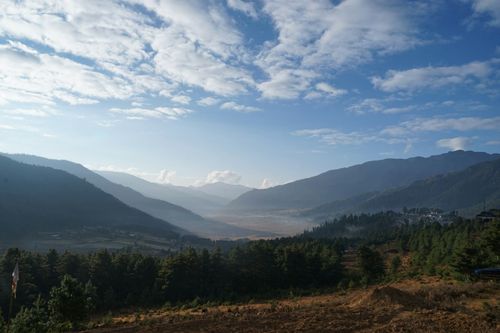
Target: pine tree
{"x":370,"y":263}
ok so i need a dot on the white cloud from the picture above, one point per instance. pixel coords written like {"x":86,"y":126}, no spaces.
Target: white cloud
{"x":388,"y":105}
{"x":181,"y":99}
{"x":315,"y":36}
{"x":443,"y":124}
{"x":432,"y":77}
{"x":335,"y":137}
{"x":395,"y":110}
{"x":166,"y":176}
{"x":328,"y":89}
{"x":195,"y":46}
{"x":159,"y":112}
{"x":246,"y":7}
{"x":102,"y":31}
{"x":286,"y":83}
{"x":41,"y":112}
{"x":323,"y":89}
{"x":238,"y":107}
{"x":367,"y":105}
{"x":490,"y":8}
{"x":208,"y":101}
{"x":91,"y":51}
{"x":457,"y":143}
{"x":31,"y":77}
{"x":120,"y":51}
{"x":266,"y":183}
{"x":180,"y":59}
{"x":225,"y":176}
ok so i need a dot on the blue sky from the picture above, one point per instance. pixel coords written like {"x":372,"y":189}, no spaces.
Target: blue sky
{"x":252,"y":92}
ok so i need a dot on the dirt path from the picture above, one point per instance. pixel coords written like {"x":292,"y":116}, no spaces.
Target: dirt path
{"x":410,"y":306}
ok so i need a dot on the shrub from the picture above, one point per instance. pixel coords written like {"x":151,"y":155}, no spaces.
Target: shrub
{"x":31,"y":320}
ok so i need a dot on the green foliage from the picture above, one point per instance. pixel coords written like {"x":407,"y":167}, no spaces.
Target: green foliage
{"x":491,"y":239}
{"x":31,"y":320}
{"x":395,"y":264}
{"x":71,"y":302}
{"x":370,"y":263}
{"x":373,"y":228}
{"x":465,"y":260}
{"x":76,"y":285}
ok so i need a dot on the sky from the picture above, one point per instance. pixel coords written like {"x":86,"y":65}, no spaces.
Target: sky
{"x":258,"y":93}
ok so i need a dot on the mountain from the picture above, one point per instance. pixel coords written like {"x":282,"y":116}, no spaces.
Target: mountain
{"x":341,"y":184}
{"x":190,"y":198}
{"x":466,"y":191}
{"x":163,"y":210}
{"x":223,"y":190}
{"x":36,"y":199}
{"x":473,"y":187}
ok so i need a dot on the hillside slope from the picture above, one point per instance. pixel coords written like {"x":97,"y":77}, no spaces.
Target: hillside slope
{"x":41,"y":199}
{"x":466,"y":190}
{"x":347,"y":182}
{"x":163,"y":210}
{"x":474,"y":186}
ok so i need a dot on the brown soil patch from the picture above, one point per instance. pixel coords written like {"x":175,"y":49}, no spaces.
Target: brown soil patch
{"x":407,"y":306}
{"x":390,"y":296}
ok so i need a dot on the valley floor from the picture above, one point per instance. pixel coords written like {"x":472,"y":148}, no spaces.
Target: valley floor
{"x":425,"y":305}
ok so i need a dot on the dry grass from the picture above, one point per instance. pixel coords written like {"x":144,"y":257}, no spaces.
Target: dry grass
{"x":428,"y":305}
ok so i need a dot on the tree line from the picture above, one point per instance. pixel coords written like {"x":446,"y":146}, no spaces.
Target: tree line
{"x":59,"y":291}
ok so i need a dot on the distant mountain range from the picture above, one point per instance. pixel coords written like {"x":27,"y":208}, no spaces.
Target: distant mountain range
{"x":166,"y":211}
{"x":189,"y":198}
{"x":346,"y":183}
{"x":223,"y":190}
{"x":203,"y":200}
{"x":465,"y":191}
{"x":37,"y":199}
{"x":42,"y":195}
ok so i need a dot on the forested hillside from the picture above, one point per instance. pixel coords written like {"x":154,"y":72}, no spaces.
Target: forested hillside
{"x":39,"y":199}
{"x":181,"y":217}
{"x":347,"y":182}
{"x":465,"y":191}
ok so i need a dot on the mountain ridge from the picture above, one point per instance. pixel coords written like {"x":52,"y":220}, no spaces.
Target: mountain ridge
{"x":223,"y":190}
{"x":467,"y":191}
{"x":187,"y":197}
{"x":41,"y":199}
{"x":344,"y":183}
{"x":173,"y":214}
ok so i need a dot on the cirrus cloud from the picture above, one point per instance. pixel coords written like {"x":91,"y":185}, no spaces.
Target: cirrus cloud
{"x":159,"y":112}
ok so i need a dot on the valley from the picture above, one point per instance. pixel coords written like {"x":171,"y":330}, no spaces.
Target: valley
{"x":249,"y":166}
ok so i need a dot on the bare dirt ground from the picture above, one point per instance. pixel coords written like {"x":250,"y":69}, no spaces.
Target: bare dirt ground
{"x":427,"y":305}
